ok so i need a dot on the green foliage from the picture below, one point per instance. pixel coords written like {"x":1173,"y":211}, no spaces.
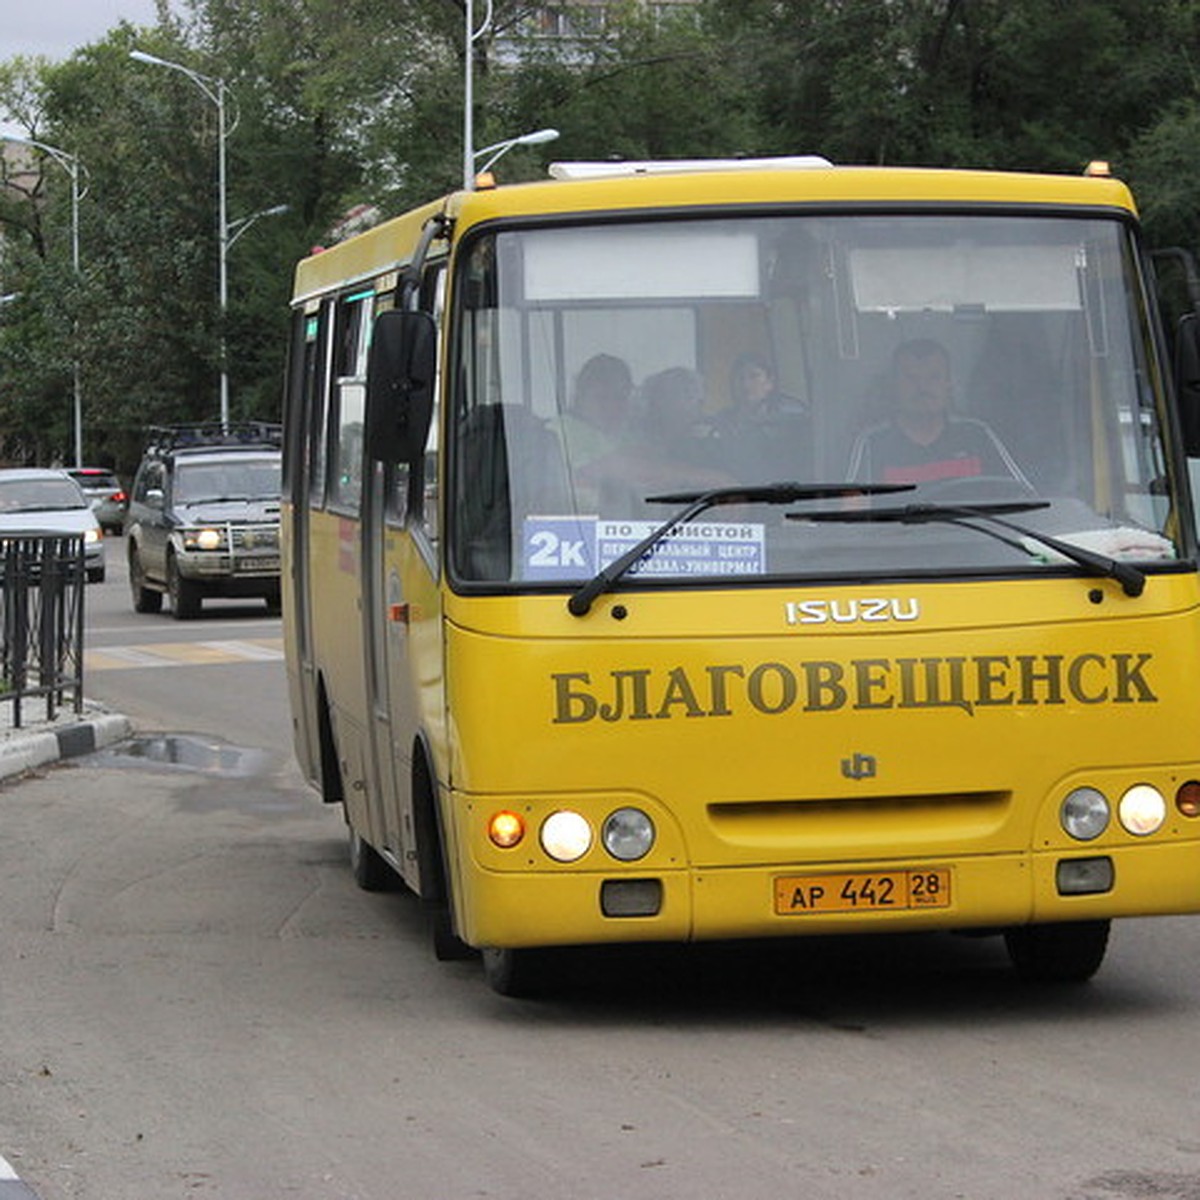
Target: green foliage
{"x":335,"y":103}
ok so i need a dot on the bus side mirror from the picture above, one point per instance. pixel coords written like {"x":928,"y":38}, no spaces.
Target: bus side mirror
{"x":401,"y":368}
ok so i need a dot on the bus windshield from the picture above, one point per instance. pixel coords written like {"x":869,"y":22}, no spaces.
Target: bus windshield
{"x":602,"y":371}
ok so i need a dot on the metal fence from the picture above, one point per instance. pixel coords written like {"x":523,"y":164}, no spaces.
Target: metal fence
{"x":42,"y":622}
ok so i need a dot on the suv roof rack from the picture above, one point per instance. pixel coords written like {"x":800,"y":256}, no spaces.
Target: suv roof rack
{"x":162,"y":439}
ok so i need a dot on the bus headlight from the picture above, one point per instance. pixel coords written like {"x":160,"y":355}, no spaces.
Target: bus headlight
{"x":628,"y":834}
{"x":1084,"y":814}
{"x":1142,"y":810}
{"x":566,"y":836}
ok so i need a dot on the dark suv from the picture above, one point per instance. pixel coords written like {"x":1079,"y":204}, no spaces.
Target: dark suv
{"x":203,"y":517}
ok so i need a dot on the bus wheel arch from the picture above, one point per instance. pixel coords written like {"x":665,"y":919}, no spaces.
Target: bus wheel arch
{"x":327,"y":755}
{"x":436,"y":890}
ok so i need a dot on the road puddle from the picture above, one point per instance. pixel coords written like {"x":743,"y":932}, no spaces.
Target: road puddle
{"x":187,"y":752}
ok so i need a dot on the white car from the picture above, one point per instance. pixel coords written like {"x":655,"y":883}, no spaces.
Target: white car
{"x":33,"y":500}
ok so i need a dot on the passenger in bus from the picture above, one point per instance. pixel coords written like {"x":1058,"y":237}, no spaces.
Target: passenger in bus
{"x":763,"y":436}
{"x":614,"y":463}
{"x":593,"y":429}
{"x":673,"y":426}
{"x":597,"y":420}
{"x":923,"y":441}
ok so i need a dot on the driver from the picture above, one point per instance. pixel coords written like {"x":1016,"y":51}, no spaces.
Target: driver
{"x":923,"y":441}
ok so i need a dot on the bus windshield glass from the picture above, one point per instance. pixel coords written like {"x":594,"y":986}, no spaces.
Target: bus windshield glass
{"x":976,"y":359}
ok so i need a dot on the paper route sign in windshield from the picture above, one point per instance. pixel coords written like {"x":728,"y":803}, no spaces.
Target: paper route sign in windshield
{"x":577,"y":547}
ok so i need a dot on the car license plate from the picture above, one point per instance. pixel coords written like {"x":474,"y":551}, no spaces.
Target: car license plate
{"x":261,"y":563}
{"x":858,"y":891}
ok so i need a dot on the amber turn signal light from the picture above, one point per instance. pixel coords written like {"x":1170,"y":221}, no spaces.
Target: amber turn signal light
{"x":506,"y":829}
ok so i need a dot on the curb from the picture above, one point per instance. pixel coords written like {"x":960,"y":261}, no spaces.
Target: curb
{"x":24,"y":751}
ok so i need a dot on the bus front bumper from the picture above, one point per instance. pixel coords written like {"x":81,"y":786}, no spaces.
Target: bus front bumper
{"x":576,"y":907}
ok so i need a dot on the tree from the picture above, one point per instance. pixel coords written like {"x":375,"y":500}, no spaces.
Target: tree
{"x":338,"y":103}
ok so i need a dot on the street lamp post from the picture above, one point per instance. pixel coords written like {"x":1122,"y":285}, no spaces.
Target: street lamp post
{"x":472,"y":36}
{"x":213,"y":89}
{"x":71,"y":164}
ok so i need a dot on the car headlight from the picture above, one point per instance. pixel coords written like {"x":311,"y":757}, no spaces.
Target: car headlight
{"x":91,"y":537}
{"x":203,"y":539}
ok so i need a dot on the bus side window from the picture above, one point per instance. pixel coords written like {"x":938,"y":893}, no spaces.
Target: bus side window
{"x":412,"y":496}
{"x":349,"y":400}
{"x":315,"y":407}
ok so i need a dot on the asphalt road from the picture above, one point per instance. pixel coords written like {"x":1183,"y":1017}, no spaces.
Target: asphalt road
{"x":196,"y":1001}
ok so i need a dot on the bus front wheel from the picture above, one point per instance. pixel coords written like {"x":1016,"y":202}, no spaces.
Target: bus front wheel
{"x":1070,"y":952}
{"x":520,"y":974}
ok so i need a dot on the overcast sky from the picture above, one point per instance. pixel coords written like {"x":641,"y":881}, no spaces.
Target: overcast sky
{"x":57,"y":27}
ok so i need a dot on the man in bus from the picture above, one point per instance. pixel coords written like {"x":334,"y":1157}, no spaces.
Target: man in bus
{"x":924,"y":441}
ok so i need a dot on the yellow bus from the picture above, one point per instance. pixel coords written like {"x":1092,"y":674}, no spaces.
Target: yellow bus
{"x":756,"y":549}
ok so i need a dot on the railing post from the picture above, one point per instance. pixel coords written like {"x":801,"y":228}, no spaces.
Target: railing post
{"x":43,"y":598}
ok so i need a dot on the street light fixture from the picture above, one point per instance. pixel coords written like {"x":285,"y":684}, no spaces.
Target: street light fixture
{"x":71,"y":164}
{"x":537,"y":138}
{"x":238,"y":227}
{"x":213,"y":89}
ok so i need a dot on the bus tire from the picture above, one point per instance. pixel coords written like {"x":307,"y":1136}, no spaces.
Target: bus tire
{"x":517,"y":973}
{"x":1070,"y":952}
{"x":370,"y":871}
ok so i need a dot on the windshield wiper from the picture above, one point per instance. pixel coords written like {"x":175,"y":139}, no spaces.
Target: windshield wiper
{"x":696,"y":502}
{"x":1132,"y":581}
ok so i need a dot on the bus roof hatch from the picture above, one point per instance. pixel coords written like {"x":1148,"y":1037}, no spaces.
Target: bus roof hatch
{"x":621,"y":169}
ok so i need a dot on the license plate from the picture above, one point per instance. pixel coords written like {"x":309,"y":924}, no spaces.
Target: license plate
{"x":257,"y":564}
{"x":876,"y":891}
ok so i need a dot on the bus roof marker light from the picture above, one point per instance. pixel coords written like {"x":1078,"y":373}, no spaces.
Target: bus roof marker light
{"x":1142,"y":810}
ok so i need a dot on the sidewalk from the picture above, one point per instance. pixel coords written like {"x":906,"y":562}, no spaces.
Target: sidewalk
{"x":40,"y":741}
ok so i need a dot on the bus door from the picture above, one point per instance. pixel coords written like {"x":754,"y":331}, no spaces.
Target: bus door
{"x":402,"y":622}
{"x":304,"y":485}
{"x":337,"y":556}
